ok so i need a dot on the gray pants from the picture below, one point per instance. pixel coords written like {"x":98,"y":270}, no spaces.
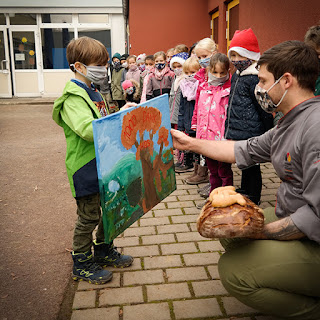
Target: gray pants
{"x":280,"y":278}
{"x":89,"y":216}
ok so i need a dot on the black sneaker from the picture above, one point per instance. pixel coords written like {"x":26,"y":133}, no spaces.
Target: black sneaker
{"x":205,"y":191}
{"x":107,"y":255}
{"x":85,"y":269}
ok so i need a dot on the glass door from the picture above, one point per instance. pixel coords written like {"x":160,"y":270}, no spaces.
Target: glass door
{"x":5,"y":74}
{"x":24,"y":47}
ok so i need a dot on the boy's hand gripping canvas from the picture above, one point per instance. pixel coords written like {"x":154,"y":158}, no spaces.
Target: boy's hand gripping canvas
{"x":134,"y":155}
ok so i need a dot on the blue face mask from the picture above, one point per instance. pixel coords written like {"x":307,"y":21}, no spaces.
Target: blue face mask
{"x":160,"y":66}
{"x":204,"y":62}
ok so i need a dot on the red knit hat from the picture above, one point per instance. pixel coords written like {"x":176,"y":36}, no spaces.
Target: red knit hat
{"x":245,"y":43}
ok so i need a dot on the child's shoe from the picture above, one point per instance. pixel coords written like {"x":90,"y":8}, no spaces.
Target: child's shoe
{"x":187,"y":164}
{"x":195,"y":172}
{"x":85,"y":269}
{"x":107,"y":255}
{"x":205,"y":191}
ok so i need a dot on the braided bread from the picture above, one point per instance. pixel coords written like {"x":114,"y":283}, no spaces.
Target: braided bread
{"x":228,"y":214}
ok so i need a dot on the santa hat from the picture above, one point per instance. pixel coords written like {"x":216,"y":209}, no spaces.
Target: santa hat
{"x":180,"y":58}
{"x":141,"y":58}
{"x":126,"y":84}
{"x":245,"y":43}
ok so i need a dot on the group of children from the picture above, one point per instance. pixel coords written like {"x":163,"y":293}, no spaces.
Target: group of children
{"x":205,"y":102}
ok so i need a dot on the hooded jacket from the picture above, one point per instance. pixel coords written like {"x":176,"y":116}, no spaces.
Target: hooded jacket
{"x":74,"y":111}
{"x":245,"y":118}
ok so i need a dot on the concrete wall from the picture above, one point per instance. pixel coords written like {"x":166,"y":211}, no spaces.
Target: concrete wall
{"x":161,"y":25}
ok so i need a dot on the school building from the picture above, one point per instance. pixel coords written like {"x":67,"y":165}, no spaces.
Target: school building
{"x":34,"y":33}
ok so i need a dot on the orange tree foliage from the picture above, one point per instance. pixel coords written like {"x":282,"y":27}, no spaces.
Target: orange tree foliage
{"x":140,"y":120}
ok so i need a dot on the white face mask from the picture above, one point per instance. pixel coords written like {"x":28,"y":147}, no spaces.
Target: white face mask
{"x":125,"y":64}
{"x":177,"y":71}
{"x":215,"y":81}
{"x":265,"y":100}
{"x":95,"y":74}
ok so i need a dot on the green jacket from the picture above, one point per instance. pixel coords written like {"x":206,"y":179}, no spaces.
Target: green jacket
{"x":116,"y":89}
{"x":74,"y":111}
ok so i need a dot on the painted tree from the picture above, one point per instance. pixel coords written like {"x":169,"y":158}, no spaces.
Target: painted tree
{"x":134,"y":126}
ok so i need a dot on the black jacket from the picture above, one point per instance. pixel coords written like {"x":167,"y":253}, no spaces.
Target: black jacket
{"x":185,"y":115}
{"x":245,"y":118}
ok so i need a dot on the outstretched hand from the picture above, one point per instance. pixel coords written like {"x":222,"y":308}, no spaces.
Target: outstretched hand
{"x":180,"y":140}
{"x":128,"y":105}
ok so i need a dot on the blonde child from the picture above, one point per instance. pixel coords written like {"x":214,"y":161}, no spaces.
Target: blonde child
{"x":161,"y":77}
{"x":169,"y":54}
{"x":180,"y":48}
{"x":149,"y":62}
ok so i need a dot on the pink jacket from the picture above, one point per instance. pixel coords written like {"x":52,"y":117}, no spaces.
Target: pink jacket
{"x":211,"y":111}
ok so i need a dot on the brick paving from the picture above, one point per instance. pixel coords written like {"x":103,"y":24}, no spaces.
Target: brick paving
{"x":174,"y":274}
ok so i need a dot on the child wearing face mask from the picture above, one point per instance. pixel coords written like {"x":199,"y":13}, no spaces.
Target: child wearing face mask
{"x":169,"y":55}
{"x":245,"y":118}
{"x":116,"y":74}
{"x":161,"y":77}
{"x":211,"y":115}
{"x":176,"y":64}
{"x":131,"y":90}
{"x":188,"y":89}
{"x":141,"y":62}
{"x":149,"y":63}
{"x":133,"y":70}
{"x":74,"y":111}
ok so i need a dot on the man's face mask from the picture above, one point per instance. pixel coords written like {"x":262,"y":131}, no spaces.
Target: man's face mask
{"x":265,"y":100}
{"x":95,"y":74}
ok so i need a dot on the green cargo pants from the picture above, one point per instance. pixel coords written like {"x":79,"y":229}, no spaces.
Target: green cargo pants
{"x":89,"y":216}
{"x":279,"y":278}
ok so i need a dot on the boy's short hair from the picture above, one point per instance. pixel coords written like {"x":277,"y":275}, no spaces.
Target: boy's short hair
{"x":312,"y":37}
{"x":181,"y":48}
{"x":86,"y":50}
{"x":191,"y":63}
{"x":149,"y":57}
{"x":294,"y":57}
{"x":160,"y":53}
{"x":131,"y":57}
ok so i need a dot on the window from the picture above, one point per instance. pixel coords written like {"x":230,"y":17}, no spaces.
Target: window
{"x":24,"y":50}
{"x":22,"y":19}
{"x":56,"y":18}
{"x":93,"y":18}
{"x":233,"y":19}
{"x":2,"y":19}
{"x":54,"y":47}
{"x":215,"y":26}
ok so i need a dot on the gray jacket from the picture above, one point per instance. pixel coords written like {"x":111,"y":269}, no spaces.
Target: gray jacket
{"x":293,"y":147}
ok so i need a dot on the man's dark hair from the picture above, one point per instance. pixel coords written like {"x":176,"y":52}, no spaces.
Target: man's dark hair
{"x":294,"y":57}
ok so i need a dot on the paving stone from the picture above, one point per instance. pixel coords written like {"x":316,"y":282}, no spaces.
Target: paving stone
{"x":179,"y":193}
{"x":180,"y":204}
{"x":193,"y":210}
{"x":178,"y":248}
{"x":208,"y":288}
{"x":187,"y":186}
{"x":118,"y":296}
{"x":214,"y":273}
{"x":199,"y":308}
{"x":268,"y":197}
{"x":143,"y":277}
{"x":266,"y":318}
{"x":140,"y":231}
{"x":96,"y":314}
{"x":84,"y":299}
{"x":193,"y":191}
{"x":190,"y":197}
{"x":162,"y":262}
{"x":136,"y":265}
{"x":148,"y":214}
{"x":213,"y":245}
{"x":142,"y":251}
{"x":193,"y":227}
{"x":154,"y":311}
{"x":185,"y":274}
{"x":170,"y":199}
{"x":168,"y":291}
{"x":173,"y":228}
{"x":234,"y":306}
{"x":184,"y":218}
{"x":160,"y":205}
{"x":201,"y":259}
{"x":126,"y":242}
{"x":158,"y":239}
{"x":114,"y":283}
{"x":154,"y":221}
{"x":167,"y":212}
{"x":190,"y":236}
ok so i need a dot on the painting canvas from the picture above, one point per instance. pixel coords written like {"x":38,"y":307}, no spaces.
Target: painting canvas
{"x":135,"y":165}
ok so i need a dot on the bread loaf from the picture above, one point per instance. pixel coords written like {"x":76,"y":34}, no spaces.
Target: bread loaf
{"x":229,"y":221}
